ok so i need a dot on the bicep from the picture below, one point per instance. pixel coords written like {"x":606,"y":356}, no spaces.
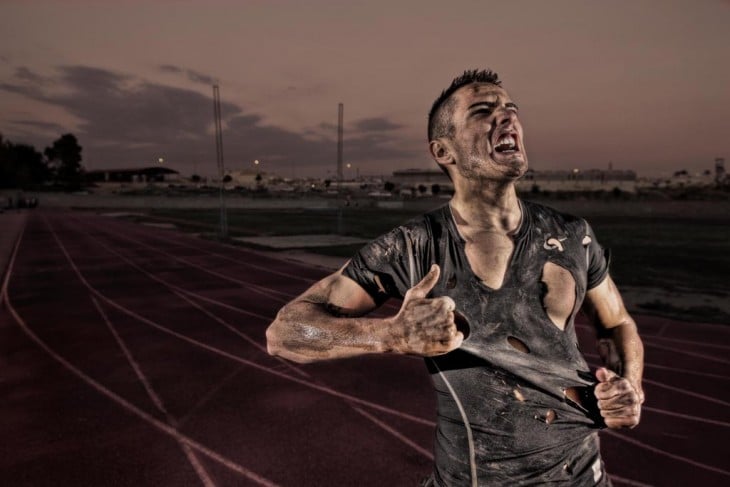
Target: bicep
{"x":604,"y":305}
{"x":341,"y":295}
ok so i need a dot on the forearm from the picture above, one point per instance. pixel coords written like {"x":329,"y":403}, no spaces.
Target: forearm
{"x":307,"y":332}
{"x":630,"y":351}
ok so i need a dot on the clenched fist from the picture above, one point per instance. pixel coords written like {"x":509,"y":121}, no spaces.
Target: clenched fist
{"x":424,"y":326}
{"x":618,"y":400}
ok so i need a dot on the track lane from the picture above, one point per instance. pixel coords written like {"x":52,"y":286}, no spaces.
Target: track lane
{"x":389,"y":429}
{"x":172,"y":270}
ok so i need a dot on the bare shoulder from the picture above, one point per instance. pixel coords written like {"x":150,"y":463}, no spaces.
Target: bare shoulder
{"x":340,"y":294}
{"x":605,"y":304}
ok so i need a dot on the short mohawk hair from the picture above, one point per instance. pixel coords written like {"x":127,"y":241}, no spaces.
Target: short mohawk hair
{"x":439,"y":118}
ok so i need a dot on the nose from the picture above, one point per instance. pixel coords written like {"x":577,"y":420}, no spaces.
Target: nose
{"x":506,"y":116}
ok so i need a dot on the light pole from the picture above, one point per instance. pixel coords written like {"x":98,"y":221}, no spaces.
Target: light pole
{"x":219,"y":159}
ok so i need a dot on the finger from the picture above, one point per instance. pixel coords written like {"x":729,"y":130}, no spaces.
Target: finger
{"x":422,"y":289}
{"x":605,"y":375}
{"x":618,"y":402}
{"x":449,"y":303}
{"x":616,"y":423}
{"x":444,"y":303}
{"x":446,"y":346}
{"x":618,"y":387}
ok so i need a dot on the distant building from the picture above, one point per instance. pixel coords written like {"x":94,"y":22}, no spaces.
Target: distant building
{"x":244,"y":178}
{"x":420,"y":176}
{"x":151,"y":174}
{"x":578,"y":180}
{"x":575,"y":180}
{"x":720,"y":174}
{"x":410,"y":180}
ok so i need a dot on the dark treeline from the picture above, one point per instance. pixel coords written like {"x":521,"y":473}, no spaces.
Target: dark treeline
{"x":59,"y":166}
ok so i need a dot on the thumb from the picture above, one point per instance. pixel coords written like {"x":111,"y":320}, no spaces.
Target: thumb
{"x":605,"y":375}
{"x":421,"y":289}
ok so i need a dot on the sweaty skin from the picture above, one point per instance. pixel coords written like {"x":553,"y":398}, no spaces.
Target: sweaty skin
{"x":307,"y":329}
{"x":518,"y":370}
{"x":517,"y":402}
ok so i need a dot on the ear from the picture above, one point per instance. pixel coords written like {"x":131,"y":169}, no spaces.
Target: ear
{"x":441,"y":152}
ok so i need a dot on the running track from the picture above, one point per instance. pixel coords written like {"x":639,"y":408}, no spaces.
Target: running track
{"x":131,"y":355}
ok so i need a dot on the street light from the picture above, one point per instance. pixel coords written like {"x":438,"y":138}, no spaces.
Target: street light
{"x":160,"y":160}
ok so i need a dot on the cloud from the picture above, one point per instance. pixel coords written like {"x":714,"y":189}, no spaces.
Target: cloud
{"x":192,"y":75}
{"x":25,"y":74}
{"x":45,"y":126}
{"x":129,"y":121}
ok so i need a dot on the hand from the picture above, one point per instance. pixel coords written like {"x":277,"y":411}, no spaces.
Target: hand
{"x":618,"y":400}
{"x":424,"y":326}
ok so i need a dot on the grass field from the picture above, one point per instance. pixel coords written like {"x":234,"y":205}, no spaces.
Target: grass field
{"x":684,"y":260}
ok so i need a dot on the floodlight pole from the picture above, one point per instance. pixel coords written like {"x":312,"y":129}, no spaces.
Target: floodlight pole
{"x":340,"y":130}
{"x":340,"y":117}
{"x":219,"y":160}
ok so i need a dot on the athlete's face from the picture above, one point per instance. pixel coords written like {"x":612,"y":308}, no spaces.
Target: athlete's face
{"x":488,"y":139}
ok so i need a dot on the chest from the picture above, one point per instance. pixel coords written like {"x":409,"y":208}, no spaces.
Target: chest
{"x":540,"y":275}
{"x":489,"y":255}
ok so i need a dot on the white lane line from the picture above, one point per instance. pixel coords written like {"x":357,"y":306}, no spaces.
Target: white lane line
{"x":253,"y":287}
{"x":387,"y":428}
{"x":132,"y":362}
{"x":180,"y":292}
{"x":673,"y":369}
{"x":652,"y":338}
{"x":126,"y":405}
{"x":395,"y":433}
{"x":11,"y":262}
{"x":268,"y":319}
{"x":6,"y":277}
{"x":223,"y":353}
{"x":686,"y":392}
{"x":354,"y":399}
{"x":659,"y":451}
{"x":691,"y":342}
{"x":678,"y":389}
{"x":234,"y":330}
{"x":687,"y":352}
{"x":271,"y":291}
{"x":205,"y":399}
{"x":156,"y":399}
{"x":237,"y":261}
{"x":183,"y":294}
{"x":632,"y":483}
{"x":247,"y":251}
{"x":685,"y":416}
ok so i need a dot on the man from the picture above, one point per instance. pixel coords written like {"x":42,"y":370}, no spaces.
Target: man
{"x":491,"y":286}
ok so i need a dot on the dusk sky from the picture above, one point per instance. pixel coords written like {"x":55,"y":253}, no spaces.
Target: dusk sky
{"x":642,"y":84}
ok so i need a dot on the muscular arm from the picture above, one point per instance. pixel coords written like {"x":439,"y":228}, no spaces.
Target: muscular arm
{"x":327,"y":322}
{"x":620,"y":392}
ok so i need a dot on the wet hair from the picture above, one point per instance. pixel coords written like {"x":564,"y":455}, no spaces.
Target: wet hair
{"x":440,"y":122}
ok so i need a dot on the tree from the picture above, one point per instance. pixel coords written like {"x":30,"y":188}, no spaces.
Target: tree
{"x":227,"y":178}
{"x":388,"y":186}
{"x":422,"y":188}
{"x":65,"y":155}
{"x":21,"y":166}
{"x":435,"y":189}
{"x":195,"y":178}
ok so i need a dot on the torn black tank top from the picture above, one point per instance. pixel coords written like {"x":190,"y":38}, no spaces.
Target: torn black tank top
{"x":515,"y":400}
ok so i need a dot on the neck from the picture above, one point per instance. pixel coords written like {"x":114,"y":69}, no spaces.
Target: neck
{"x":486,"y":205}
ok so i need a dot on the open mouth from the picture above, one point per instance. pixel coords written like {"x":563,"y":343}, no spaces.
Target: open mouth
{"x":506,"y":144}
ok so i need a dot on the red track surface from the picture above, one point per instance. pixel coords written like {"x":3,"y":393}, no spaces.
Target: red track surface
{"x":135,"y":356}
